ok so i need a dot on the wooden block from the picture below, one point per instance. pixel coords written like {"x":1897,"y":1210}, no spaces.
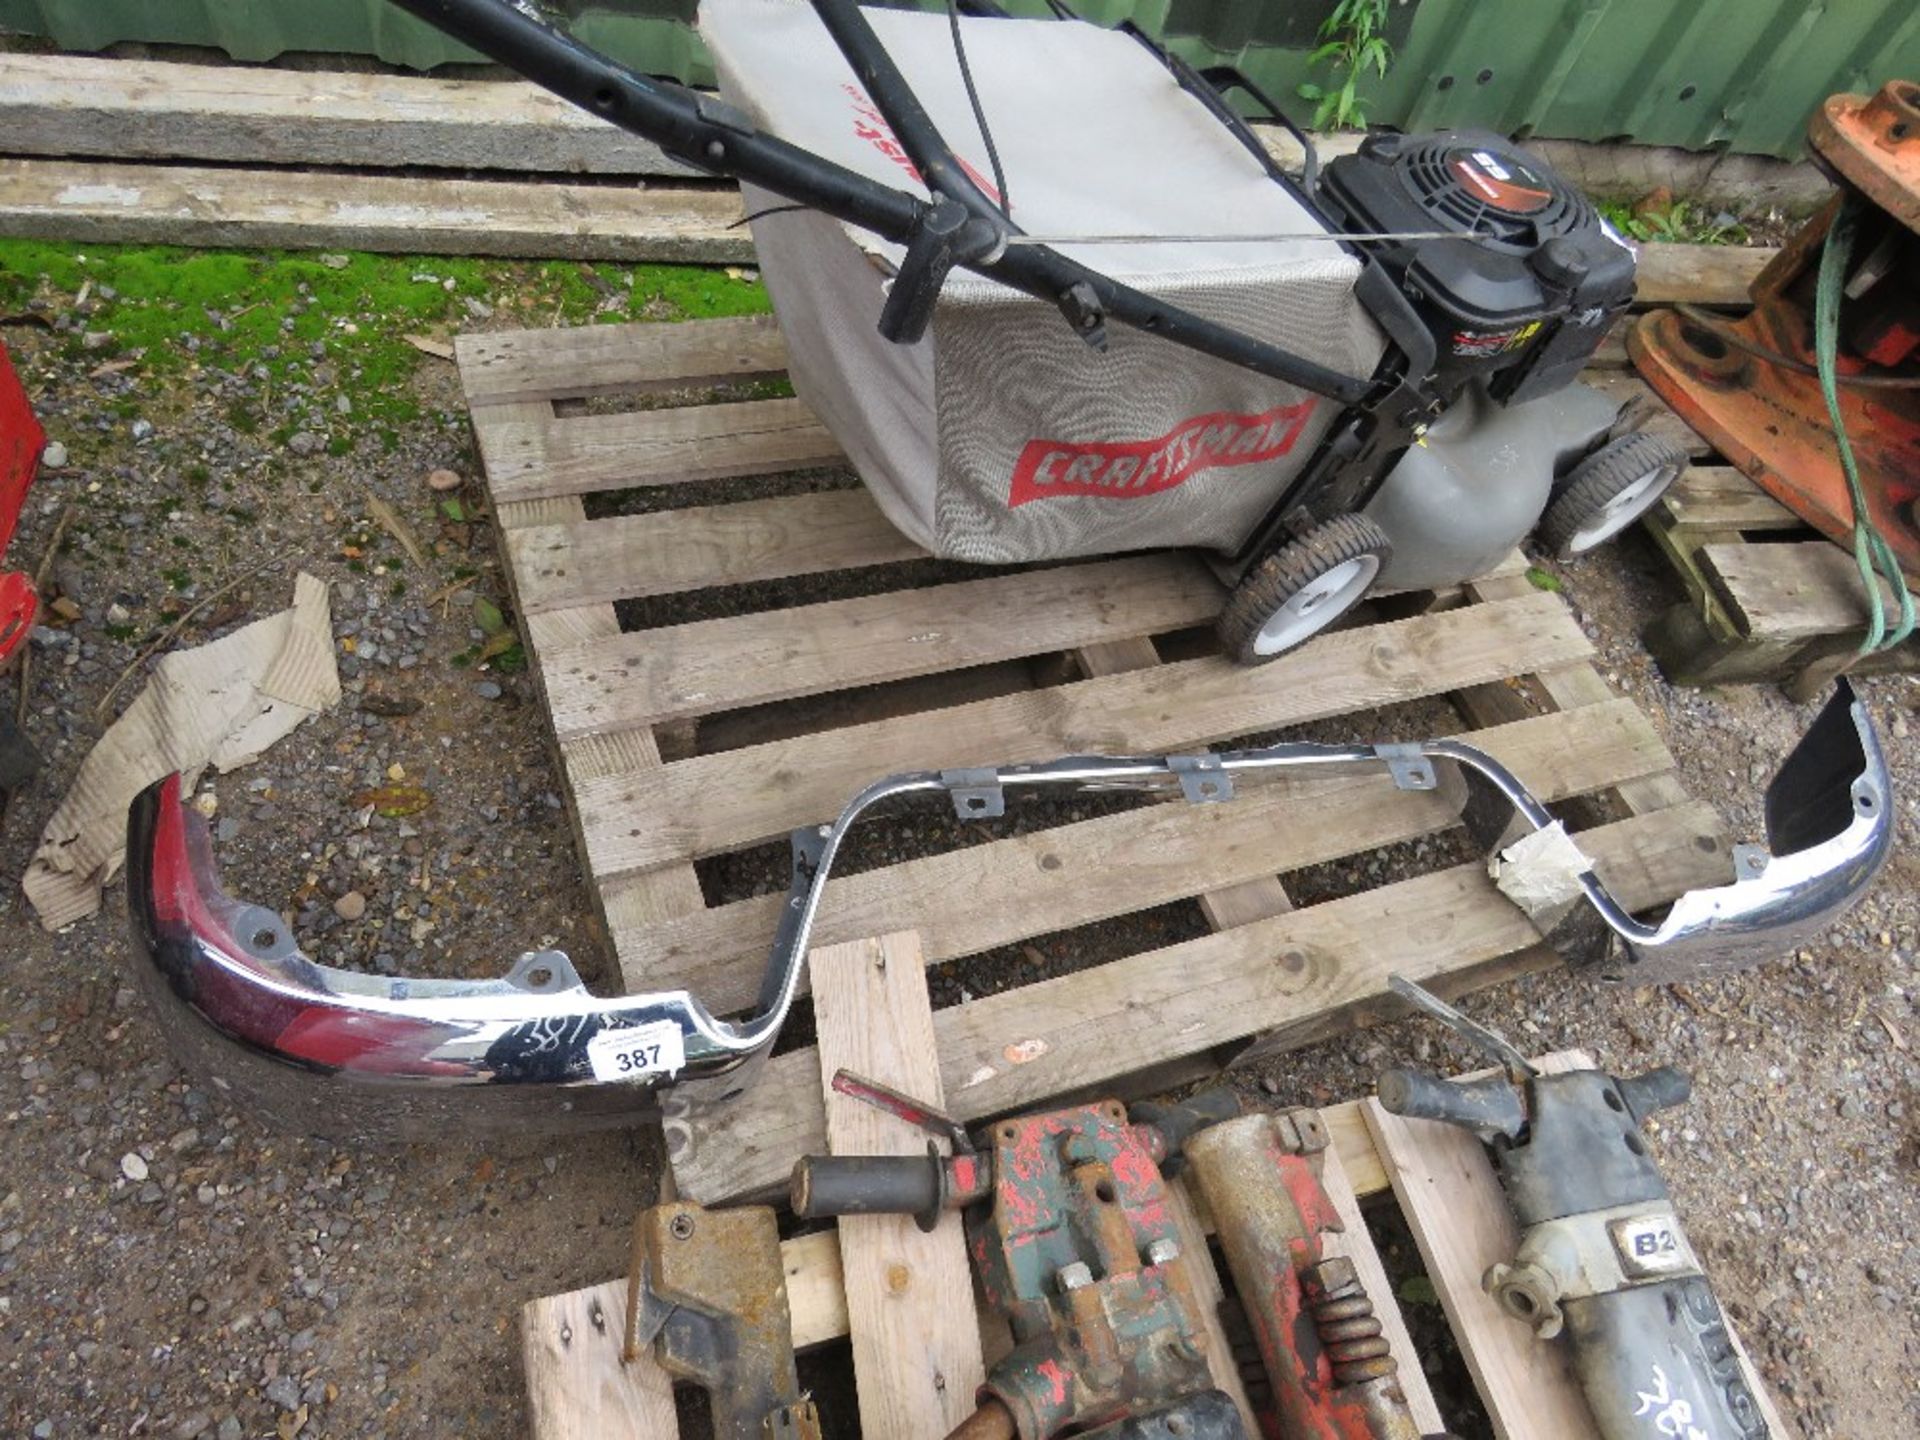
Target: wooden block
{"x":324,"y":210}
{"x":580,"y":454}
{"x":645,"y":676}
{"x":1789,"y":592}
{"x":916,"y":1345}
{"x":588,"y":360}
{"x":1703,"y":274}
{"x":1719,"y":497}
{"x":1356,"y":1243}
{"x":577,"y":1386}
{"x":1003,"y":891}
{"x":717,"y":803}
{"x":671,"y":551}
{"x":1452,"y":1201}
{"x":71,"y":105}
{"x":1005,"y":1052}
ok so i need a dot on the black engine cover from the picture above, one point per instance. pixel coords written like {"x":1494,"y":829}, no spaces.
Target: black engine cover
{"x":1526,"y":277}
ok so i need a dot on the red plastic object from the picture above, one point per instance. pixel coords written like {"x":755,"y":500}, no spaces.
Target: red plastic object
{"x":21,"y":441}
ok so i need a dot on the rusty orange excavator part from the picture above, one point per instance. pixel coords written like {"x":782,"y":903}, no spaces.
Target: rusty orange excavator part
{"x":1751,"y":386}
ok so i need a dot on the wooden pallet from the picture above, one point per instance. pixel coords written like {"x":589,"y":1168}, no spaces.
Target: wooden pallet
{"x":578,"y":1387}
{"x":640,"y":720}
{"x":1512,"y":658}
{"x":1768,"y":599}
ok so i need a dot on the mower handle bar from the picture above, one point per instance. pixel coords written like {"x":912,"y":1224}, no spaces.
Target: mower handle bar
{"x":706,"y":132}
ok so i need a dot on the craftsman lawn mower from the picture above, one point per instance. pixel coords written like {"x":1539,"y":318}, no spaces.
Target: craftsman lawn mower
{"x":1359,"y":380}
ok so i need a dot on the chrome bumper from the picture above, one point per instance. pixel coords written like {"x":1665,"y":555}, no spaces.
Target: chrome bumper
{"x":357,"y":1056}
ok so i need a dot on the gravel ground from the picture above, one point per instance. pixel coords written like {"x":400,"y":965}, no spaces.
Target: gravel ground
{"x":168,"y":1267}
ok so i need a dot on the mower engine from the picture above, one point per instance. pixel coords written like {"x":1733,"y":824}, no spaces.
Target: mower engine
{"x":1514,"y":272}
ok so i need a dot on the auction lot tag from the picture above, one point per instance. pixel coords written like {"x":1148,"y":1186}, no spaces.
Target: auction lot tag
{"x":637,"y":1050}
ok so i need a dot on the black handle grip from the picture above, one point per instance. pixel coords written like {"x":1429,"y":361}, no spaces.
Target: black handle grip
{"x":1660,"y":1089}
{"x":827,"y":1185}
{"x":1486,"y":1106}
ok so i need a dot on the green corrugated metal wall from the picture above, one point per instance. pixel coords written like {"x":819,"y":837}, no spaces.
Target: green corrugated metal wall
{"x":1742,"y":74}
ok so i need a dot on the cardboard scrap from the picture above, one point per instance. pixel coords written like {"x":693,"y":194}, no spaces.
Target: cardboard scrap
{"x":221,"y":703}
{"x":1540,"y":873}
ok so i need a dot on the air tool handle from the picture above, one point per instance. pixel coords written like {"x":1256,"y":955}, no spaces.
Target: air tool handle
{"x":1660,"y":1089}
{"x":1487,"y":1106}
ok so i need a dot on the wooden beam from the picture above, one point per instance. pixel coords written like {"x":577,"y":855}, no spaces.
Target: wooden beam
{"x":1720,"y":498}
{"x":916,"y":1343}
{"x":324,"y":210}
{"x":1001,"y":1053}
{"x":84,"y":105}
{"x":1789,"y":592}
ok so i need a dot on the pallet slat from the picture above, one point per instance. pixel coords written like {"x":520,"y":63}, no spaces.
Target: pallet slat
{"x":584,"y":361}
{"x":916,"y":1352}
{"x":723,"y":802}
{"x":1357,"y":1245}
{"x":577,"y":1386}
{"x":1702,"y":274}
{"x":998,"y":893}
{"x":1003,"y":1052}
{"x":584,"y":453}
{"x":1719,"y":497}
{"x":710,"y":665}
{"x":672,"y":551}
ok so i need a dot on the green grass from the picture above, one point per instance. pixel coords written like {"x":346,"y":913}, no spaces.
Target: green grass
{"x":264,"y":308}
{"x":1682,"y":223}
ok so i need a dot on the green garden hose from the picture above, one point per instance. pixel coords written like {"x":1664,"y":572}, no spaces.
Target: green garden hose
{"x":1870,"y":548}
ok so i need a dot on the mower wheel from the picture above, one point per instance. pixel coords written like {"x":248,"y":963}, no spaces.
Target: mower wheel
{"x":1301,"y":588}
{"x":1608,"y":491}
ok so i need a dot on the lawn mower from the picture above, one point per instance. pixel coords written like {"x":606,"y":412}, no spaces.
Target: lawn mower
{"x":1358,"y":380}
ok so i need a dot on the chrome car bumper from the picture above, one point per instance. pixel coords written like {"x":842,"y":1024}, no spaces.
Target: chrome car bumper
{"x":358,"y":1056}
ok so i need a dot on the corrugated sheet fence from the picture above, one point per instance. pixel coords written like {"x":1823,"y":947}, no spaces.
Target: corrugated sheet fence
{"x":1740,"y":74}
